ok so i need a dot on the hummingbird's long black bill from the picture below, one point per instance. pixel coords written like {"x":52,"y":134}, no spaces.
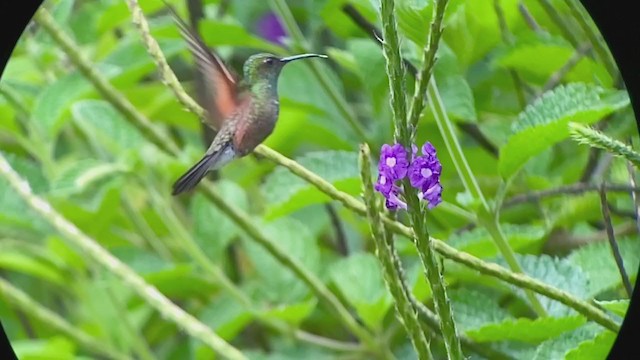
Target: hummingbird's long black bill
{"x":302,"y":56}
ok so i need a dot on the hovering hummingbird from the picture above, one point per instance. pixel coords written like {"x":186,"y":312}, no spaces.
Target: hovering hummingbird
{"x":243,"y":111}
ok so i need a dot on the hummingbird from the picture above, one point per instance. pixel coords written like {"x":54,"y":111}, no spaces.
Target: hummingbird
{"x":244,"y":111}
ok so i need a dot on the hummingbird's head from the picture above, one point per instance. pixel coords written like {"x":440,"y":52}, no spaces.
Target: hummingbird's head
{"x":266,"y":66}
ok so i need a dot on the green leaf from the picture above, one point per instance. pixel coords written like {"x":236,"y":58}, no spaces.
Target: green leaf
{"x":618,"y":307}
{"x":107,"y":126}
{"x":55,"y":99}
{"x":12,"y":260}
{"x":278,"y":283}
{"x":557,"y":348}
{"x":526,"y":330}
{"x":371,"y":71}
{"x":55,"y":348}
{"x":16,"y":217}
{"x":359,"y":279}
{"x":293,"y":314}
{"x":544,"y":123}
{"x":339,"y":23}
{"x":473,"y":309}
{"x":286,"y":193}
{"x":216,"y":33}
{"x":180,"y":281}
{"x":596,"y":261}
{"x":551,"y":54}
{"x":225,"y":316}
{"x":478,"y":242}
{"x":557,"y":272}
{"x":83,"y":175}
{"x":212,"y":228}
{"x":132,"y":57}
{"x":593,"y":349}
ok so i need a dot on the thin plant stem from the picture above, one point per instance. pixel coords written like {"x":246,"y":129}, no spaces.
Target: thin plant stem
{"x":615,"y":250}
{"x":92,"y":249}
{"x":598,"y":43}
{"x":281,"y":8}
{"x":528,"y":18}
{"x":490,"y":219}
{"x":557,"y":77}
{"x":634,"y":194}
{"x":429,"y":58}
{"x":24,"y":302}
{"x":574,"y":189}
{"x":559,"y":20}
{"x":393,"y":274}
{"x":507,"y":38}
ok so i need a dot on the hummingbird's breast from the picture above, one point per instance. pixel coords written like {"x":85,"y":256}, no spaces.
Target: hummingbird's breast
{"x":255,"y":123}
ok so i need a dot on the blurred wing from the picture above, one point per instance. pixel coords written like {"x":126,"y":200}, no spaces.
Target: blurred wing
{"x":220,"y":83}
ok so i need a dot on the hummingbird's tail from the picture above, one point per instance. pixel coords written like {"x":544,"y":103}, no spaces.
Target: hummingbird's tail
{"x":197,"y":172}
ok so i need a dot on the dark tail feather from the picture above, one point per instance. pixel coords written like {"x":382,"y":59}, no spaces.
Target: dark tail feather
{"x":192,"y":177}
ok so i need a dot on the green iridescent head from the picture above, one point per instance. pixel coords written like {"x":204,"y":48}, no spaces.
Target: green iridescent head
{"x":266,"y":66}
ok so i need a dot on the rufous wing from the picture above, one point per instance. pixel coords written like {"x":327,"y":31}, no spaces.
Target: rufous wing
{"x":221,"y":84}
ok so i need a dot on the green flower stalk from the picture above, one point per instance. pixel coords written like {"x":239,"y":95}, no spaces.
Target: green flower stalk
{"x":406,"y":312}
{"x":403,"y":134}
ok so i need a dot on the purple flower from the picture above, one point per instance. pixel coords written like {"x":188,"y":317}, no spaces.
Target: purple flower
{"x":393,"y":162}
{"x":271,"y":29}
{"x":432,"y":194}
{"x":384,"y":184}
{"x":425,"y":170}
{"x":393,"y":201}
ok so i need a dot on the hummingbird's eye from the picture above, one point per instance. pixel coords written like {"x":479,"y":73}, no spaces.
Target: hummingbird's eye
{"x":268,"y":61}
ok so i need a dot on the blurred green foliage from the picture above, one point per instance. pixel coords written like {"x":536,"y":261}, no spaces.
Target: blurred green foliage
{"x":81,"y":154}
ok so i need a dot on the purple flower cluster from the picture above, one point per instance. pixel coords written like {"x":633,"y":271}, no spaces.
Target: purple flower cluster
{"x":423,"y":172}
{"x":270,"y":28}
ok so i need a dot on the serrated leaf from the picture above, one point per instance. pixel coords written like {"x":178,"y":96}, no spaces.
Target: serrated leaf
{"x":80,"y":175}
{"x":551,"y":54}
{"x":557,"y":348}
{"x":557,"y":272}
{"x":596,"y":261}
{"x":56,"y":98}
{"x":277,"y":282}
{"x":107,"y":126}
{"x":472,"y":309}
{"x":618,"y":307}
{"x":212,"y":228}
{"x":526,"y":330}
{"x":359,"y":279}
{"x":16,"y":217}
{"x":478,"y":242}
{"x":593,"y":349}
{"x":544,"y":122}
{"x":285,"y":192}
